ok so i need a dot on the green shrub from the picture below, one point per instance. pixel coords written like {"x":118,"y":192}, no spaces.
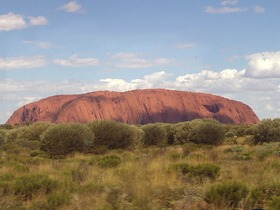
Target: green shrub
{"x":267,"y":149}
{"x":22,"y":168}
{"x":230,"y":138}
{"x":230,"y":134}
{"x":109,"y":161}
{"x":190,"y":147}
{"x":114,"y":135}
{"x":28,"y":132}
{"x":175,"y":156}
{"x":26,"y":186}
{"x":2,"y":137}
{"x":235,"y":149}
{"x":201,"y":171}
{"x":244,"y":130}
{"x":54,"y":201}
{"x":264,"y":193}
{"x":21,"y":133}
{"x":210,"y":171}
{"x":36,"y":129}
{"x":30,"y":144}
{"x":5,"y":184}
{"x":240,"y":153}
{"x":244,"y":156}
{"x":11,"y":148}
{"x":11,"y":135}
{"x":155,"y":134}
{"x":275,"y":165}
{"x":80,"y":173}
{"x":257,"y":196}
{"x":170,"y":132}
{"x":6,"y":126}
{"x":100,"y":150}
{"x":181,"y":132}
{"x":38,"y":153}
{"x":183,"y":168}
{"x":226,"y":195}
{"x":267,"y":131}
{"x":66,"y":138}
{"x":274,"y":204}
{"x":207,"y":132}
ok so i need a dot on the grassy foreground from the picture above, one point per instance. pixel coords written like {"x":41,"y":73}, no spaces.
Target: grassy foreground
{"x":177,"y":177}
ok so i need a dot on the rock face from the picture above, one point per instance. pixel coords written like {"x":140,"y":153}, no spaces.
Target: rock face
{"x":135,"y":107}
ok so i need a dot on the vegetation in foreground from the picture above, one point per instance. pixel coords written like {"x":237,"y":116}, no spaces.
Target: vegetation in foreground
{"x":200,"y":164}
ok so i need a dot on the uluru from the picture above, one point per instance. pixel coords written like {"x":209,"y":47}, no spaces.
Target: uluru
{"x":135,"y":107}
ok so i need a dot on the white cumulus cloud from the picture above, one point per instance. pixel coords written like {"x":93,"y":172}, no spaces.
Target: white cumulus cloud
{"x":38,"y":21}
{"x":222,"y":10}
{"x":12,"y":21}
{"x":229,"y":2}
{"x":228,"y":6}
{"x":225,"y":81}
{"x":72,"y":6}
{"x":264,"y":65}
{"x":116,"y":85}
{"x":22,"y":62}
{"x":74,"y":61}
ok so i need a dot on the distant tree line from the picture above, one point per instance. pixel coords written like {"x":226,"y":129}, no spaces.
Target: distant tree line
{"x":93,"y":137}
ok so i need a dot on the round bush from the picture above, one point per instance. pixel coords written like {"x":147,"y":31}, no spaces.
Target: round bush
{"x":33,"y":131}
{"x":182,"y":131}
{"x":170,"y":131}
{"x":27,"y":185}
{"x":65,"y":138}
{"x":264,"y":193}
{"x":109,"y":161}
{"x":11,"y":135}
{"x":267,"y":131}
{"x":206,"y":170}
{"x":188,"y":148}
{"x":207,"y":132}
{"x":155,"y":134}
{"x":274,"y":204}
{"x":230,"y":134}
{"x":226,"y":194}
{"x":114,"y":135}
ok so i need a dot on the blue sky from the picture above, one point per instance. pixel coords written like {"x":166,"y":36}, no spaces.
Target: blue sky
{"x":228,"y":47}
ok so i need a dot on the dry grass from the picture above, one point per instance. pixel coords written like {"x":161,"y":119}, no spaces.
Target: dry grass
{"x":143,"y":180}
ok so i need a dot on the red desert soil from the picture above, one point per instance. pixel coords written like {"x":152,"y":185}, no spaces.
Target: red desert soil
{"x":135,"y":107}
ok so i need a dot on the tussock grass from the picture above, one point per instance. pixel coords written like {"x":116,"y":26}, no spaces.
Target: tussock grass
{"x":143,"y":179}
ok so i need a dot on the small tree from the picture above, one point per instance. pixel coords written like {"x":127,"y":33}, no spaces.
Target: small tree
{"x":182,"y":131}
{"x":114,"y":135}
{"x":11,"y":135}
{"x":267,"y":131}
{"x":33,"y":131}
{"x":207,"y":131}
{"x":155,"y":134}
{"x":65,"y":138}
{"x":170,"y":132}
